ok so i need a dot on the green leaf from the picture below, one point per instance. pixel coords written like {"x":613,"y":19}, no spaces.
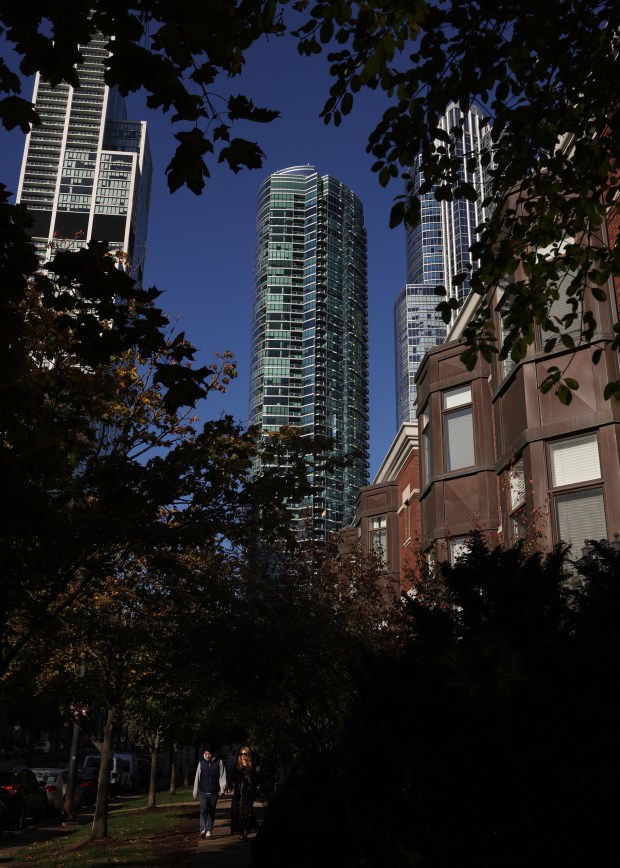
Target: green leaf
{"x":564,"y":394}
{"x":384,"y":176}
{"x":567,"y":341}
{"x":598,"y":293}
{"x":469,"y":357}
{"x":18,"y":112}
{"x":441,"y":135}
{"x":546,"y":385}
{"x":467,"y":191}
{"x":240,"y":107}
{"x":397,"y":214}
{"x":327,"y":31}
{"x":221,"y":133}
{"x":445,"y":308}
{"x":187,"y":166}
{"x":443,"y":193}
{"x":240,"y":153}
{"x":519,"y":349}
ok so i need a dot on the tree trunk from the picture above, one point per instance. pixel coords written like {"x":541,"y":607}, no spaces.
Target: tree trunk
{"x":100,"y":820}
{"x":186,"y":767}
{"x":69,"y":799}
{"x":173,"y":768}
{"x":153,"y":779}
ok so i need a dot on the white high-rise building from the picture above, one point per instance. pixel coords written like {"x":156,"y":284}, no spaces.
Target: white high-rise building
{"x":86,"y":171}
{"x":437,"y":251}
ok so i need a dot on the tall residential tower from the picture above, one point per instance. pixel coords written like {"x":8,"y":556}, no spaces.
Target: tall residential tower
{"x":310,"y":329}
{"x":86,"y":171}
{"x":437,"y":250}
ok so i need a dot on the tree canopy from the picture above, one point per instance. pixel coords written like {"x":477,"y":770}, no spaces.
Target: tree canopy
{"x":491,"y":727}
{"x":545,"y":74}
{"x":100,"y":459}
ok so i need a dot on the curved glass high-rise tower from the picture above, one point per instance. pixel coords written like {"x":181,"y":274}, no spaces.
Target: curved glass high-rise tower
{"x":437,"y":250}
{"x":309,"y":365}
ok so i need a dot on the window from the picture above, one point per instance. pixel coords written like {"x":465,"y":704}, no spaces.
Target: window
{"x":377,"y":537}
{"x":516,"y":501}
{"x":458,"y":546}
{"x":425,"y":427}
{"x":579,"y":512}
{"x":580,"y":515}
{"x":507,"y":365}
{"x":458,"y":428}
{"x":457,"y":397}
{"x":517,"y":484}
{"x":518,"y":522}
{"x":563,"y":305}
{"x":575,"y":460}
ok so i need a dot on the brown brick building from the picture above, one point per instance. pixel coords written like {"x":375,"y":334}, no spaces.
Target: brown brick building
{"x":499,"y":455}
{"x":387,"y":513}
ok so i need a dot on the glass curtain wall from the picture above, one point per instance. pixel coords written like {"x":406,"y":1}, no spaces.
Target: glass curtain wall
{"x":86,"y":171}
{"x":437,"y":250}
{"x":309,"y":366}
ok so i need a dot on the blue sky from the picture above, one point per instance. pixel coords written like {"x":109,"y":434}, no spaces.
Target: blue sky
{"x":200,"y":249}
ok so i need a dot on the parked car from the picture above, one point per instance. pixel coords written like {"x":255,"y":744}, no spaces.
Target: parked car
{"x":22,"y":795}
{"x":87,"y":785}
{"x":54,"y":782}
{"x":41,"y":747}
{"x":118,"y":774}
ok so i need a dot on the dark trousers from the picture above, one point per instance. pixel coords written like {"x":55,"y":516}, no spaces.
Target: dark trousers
{"x":208,"y":801}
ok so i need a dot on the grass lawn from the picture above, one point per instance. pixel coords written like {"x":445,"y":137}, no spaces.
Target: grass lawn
{"x":164,"y":836}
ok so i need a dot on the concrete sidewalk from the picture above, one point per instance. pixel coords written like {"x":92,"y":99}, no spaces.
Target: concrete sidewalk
{"x":224,"y":850}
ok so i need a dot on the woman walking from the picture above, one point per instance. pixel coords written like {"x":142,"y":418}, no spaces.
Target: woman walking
{"x":242,"y":805}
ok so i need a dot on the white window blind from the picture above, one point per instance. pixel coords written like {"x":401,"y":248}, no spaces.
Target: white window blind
{"x":580,"y":516}
{"x":459,"y":433}
{"x":575,"y":460}
{"x":457,"y":397}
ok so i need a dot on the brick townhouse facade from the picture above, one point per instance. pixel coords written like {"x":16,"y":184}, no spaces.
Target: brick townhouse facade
{"x":499,"y":455}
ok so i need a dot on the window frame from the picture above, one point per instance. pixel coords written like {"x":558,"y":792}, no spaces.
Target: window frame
{"x":578,"y":493}
{"x":424,"y":423}
{"x":516,"y":500}
{"x":457,"y":545}
{"x":377,"y":535}
{"x":461,"y":408}
{"x":563,"y":488}
{"x":553,"y":448}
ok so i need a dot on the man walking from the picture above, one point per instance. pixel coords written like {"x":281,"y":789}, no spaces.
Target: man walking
{"x":209,"y":783}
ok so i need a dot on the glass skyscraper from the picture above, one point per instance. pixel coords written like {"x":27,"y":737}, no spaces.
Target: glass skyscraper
{"x":86,"y":171}
{"x":309,"y":366}
{"x":437,"y":250}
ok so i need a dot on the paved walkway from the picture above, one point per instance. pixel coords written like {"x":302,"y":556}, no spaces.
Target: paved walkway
{"x":221,"y":851}
{"x":224,"y":850}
